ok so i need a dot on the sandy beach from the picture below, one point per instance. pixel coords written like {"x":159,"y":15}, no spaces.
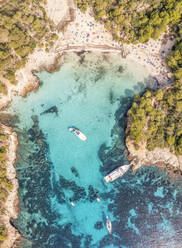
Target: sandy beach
{"x":84,"y":33}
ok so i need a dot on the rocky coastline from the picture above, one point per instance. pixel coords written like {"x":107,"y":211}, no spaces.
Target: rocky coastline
{"x":11,"y":205}
{"x":51,"y":61}
{"x":162,"y":158}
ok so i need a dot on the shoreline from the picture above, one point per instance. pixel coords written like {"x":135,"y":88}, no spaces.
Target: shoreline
{"x":12,"y":203}
{"x":82,"y":33}
{"x":29,"y":82}
{"x":162,"y":158}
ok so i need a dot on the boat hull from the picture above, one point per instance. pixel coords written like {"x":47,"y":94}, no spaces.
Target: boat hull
{"x":78,"y":133}
{"x":109,"y":225}
{"x":119,"y":172}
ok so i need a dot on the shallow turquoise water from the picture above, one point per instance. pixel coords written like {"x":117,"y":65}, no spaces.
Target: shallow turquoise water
{"x":91,"y":91}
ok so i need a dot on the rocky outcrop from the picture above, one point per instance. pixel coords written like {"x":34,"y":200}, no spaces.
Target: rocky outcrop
{"x":11,"y":205}
{"x":162,"y":158}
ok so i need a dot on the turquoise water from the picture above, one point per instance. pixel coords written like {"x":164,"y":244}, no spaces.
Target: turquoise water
{"x":92,"y":91}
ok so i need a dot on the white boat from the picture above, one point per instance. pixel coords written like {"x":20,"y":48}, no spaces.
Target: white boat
{"x":109,"y":225}
{"x":117,"y":173}
{"x":78,"y":133}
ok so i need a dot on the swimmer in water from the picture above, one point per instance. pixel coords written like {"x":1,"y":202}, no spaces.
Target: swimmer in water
{"x":72,"y":203}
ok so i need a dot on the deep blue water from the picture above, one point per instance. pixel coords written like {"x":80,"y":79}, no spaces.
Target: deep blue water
{"x":93,"y":92}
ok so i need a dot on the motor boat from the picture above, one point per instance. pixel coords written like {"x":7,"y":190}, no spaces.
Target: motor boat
{"x":78,"y":133}
{"x":108,"y":225}
{"x":118,"y":172}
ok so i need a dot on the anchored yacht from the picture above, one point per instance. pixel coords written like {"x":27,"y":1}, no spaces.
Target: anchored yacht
{"x":117,"y":173}
{"x":108,"y":225}
{"x":78,"y":133}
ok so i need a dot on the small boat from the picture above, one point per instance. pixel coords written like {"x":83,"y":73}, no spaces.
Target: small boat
{"x":72,"y":203}
{"x":117,"y":173}
{"x":109,"y":225}
{"x":98,"y":199}
{"x":78,"y":133}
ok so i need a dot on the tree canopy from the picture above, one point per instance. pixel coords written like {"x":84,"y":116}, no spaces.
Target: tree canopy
{"x":174,"y":60}
{"x":134,"y":21}
{"x":156,"y":119}
{"x":23,"y":26}
{"x":5,"y":185}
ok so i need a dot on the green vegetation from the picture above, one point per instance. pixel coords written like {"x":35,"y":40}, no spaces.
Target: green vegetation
{"x":3,"y":233}
{"x":156,"y":119}
{"x":3,"y":88}
{"x":23,"y":26}
{"x":134,"y":21}
{"x":174,"y":60}
{"x":5,"y":185}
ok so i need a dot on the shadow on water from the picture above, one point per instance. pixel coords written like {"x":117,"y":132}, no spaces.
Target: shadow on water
{"x":113,"y":157}
{"x":149,"y":202}
{"x":50,"y":110}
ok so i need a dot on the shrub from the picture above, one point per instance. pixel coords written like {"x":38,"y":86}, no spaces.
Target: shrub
{"x":3,"y":233}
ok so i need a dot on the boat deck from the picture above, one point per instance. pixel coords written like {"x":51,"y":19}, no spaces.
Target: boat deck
{"x":116,"y":173}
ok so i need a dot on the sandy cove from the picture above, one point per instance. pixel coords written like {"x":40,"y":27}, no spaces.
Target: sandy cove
{"x":82,"y":33}
{"x":86,"y":34}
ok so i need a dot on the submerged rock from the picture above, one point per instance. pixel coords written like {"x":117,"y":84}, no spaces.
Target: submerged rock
{"x":74,"y":171}
{"x":93,"y":193}
{"x":98,"y":225}
{"x":79,"y":193}
{"x":111,"y":97}
{"x":53,"y":109}
{"x":9,"y":119}
{"x":121,"y":69}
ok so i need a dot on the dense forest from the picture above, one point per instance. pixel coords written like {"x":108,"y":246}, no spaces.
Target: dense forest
{"x":23,"y":26}
{"x":174,"y":60}
{"x":134,"y":21}
{"x":155,"y":118}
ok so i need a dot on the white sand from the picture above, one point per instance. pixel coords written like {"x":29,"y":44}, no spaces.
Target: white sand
{"x":57,"y":10}
{"x":85,"y":33}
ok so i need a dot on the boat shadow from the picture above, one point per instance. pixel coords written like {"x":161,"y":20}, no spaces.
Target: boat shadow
{"x":73,"y":127}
